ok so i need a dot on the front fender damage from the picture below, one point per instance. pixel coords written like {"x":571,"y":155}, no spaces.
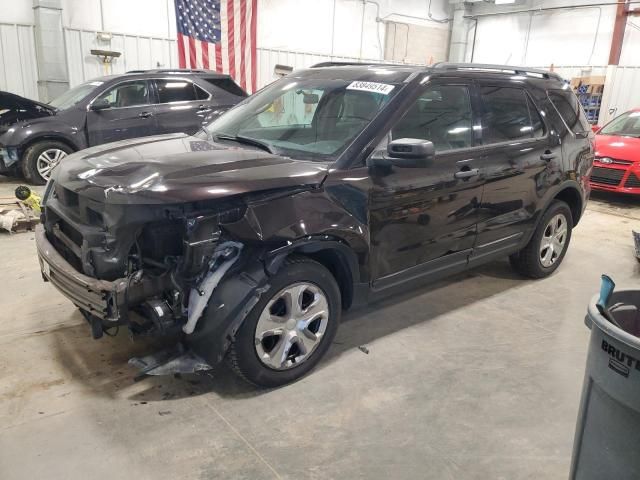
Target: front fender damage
{"x":239,"y":272}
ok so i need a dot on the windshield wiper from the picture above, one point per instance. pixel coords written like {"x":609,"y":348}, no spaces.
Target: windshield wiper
{"x":246,"y":140}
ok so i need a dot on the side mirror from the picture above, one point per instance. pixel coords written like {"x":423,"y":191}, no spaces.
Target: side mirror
{"x":595,"y":128}
{"x":404,"y":153}
{"x":101,"y":104}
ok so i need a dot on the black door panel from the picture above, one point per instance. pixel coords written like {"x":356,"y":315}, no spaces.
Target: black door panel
{"x":129,"y":114}
{"x":182,"y":106}
{"x":425,"y":218}
{"x":521,"y":161}
{"x":420,"y":215}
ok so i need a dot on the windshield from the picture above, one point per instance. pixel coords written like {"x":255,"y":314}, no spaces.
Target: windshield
{"x":626,"y":125}
{"x":310,"y":118}
{"x":73,"y":96}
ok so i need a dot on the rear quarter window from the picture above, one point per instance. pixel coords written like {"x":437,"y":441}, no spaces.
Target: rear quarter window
{"x":227,"y":85}
{"x":569,"y":109}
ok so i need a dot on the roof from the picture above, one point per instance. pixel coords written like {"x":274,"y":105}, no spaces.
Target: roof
{"x":178,"y":71}
{"x":443,"y":66}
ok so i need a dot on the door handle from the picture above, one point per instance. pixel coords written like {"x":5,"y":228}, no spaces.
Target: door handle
{"x":145,"y":114}
{"x":203,"y":108}
{"x":547,"y":156}
{"x":472,"y":172}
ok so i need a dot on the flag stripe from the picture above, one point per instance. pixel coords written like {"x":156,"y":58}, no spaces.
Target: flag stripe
{"x":230,"y":38}
{"x":247,"y":50}
{"x":192,"y":52}
{"x":219,"y":58}
{"x":243,"y":42}
{"x":254,"y":32}
{"x":218,"y":35}
{"x":204,"y":46}
{"x":181,"y":56}
{"x":198,"y":55}
{"x":224,"y":38}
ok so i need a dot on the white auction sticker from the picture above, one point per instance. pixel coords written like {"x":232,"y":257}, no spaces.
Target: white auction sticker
{"x":376,"y":87}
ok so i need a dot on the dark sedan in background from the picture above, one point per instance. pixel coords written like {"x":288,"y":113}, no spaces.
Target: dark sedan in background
{"x":35,"y":136}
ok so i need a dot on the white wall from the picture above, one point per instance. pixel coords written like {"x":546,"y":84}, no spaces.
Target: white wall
{"x":307,"y":25}
{"x":134,"y":17}
{"x":560,"y":37}
{"x":154,"y":18}
{"x":16,"y":11}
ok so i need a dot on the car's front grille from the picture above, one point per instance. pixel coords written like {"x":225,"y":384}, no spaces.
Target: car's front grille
{"x":632,"y":181}
{"x":607,"y":176}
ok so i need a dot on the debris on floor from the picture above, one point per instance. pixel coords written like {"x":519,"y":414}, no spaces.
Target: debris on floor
{"x":20,"y":213}
{"x":363,"y":349}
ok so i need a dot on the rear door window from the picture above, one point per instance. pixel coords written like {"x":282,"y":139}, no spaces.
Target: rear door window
{"x":508,"y":114}
{"x":568,"y":107}
{"x":200,"y":93}
{"x":175,"y":90}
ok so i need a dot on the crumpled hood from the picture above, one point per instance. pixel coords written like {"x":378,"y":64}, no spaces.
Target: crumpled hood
{"x":14,"y":108}
{"x":178,"y":168}
{"x":621,"y":148}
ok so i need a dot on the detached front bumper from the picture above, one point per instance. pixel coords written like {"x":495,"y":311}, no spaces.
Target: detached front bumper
{"x":100,"y":298}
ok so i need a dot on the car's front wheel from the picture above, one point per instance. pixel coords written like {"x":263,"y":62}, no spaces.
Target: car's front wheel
{"x":290,"y":328}
{"x":548,"y":245}
{"x":40,"y":158}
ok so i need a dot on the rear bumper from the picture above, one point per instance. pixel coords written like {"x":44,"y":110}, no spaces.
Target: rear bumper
{"x":101,"y":298}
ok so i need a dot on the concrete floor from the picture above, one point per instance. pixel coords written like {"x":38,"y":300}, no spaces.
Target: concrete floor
{"x":478,"y":377}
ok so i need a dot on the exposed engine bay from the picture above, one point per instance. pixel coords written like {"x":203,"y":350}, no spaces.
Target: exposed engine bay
{"x":149,"y":268}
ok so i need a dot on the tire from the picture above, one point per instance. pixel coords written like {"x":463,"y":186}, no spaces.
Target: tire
{"x":534,"y":261}
{"x":268,"y":362}
{"x":34,"y":160}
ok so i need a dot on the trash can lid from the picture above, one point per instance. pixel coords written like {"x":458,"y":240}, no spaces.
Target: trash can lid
{"x":609,"y":328}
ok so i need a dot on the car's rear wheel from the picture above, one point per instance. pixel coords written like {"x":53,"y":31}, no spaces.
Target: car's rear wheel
{"x":290,"y":328}
{"x":40,"y":158}
{"x":548,"y":245}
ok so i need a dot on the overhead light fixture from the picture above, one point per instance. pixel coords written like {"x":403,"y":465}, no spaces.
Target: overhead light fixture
{"x":504,"y":2}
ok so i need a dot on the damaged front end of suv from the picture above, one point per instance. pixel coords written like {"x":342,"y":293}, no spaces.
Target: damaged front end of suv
{"x":149,"y":255}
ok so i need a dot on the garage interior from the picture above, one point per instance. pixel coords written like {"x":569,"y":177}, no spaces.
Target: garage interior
{"x":476,"y":376}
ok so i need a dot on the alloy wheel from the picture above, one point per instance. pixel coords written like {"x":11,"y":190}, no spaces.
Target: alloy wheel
{"x":291,"y":326}
{"x":553,"y":240}
{"x":49,"y":159}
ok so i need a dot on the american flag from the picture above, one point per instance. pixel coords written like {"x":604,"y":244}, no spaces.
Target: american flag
{"x":219,"y":35}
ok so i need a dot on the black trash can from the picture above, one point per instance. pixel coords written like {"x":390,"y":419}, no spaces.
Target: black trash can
{"x":607,"y":438}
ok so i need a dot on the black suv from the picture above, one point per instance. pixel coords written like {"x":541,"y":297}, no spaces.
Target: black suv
{"x":35,"y":136}
{"x":330,"y":187}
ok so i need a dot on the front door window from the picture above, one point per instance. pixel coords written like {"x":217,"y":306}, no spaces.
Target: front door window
{"x":128,"y":94}
{"x":442,"y":115}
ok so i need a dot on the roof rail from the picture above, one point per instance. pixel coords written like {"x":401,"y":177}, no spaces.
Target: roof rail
{"x":172,"y":70}
{"x":534,"y":72}
{"x":356,"y":63}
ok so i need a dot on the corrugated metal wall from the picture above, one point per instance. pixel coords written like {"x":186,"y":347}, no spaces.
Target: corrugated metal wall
{"x":136,"y":53}
{"x":621,"y":92}
{"x":18,"y":68}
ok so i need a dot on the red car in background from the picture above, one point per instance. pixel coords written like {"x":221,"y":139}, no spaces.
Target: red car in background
{"x":617,"y":163}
